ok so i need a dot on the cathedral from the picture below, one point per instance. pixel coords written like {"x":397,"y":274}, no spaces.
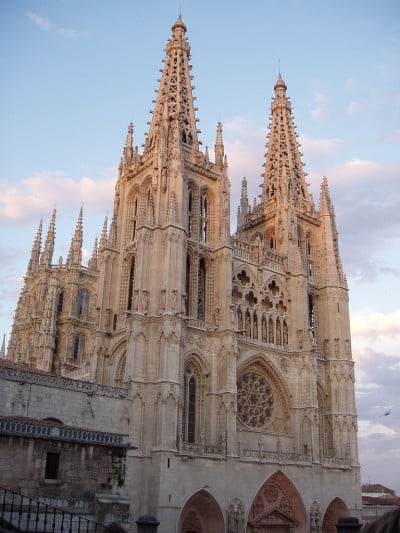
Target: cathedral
{"x":210,"y":373}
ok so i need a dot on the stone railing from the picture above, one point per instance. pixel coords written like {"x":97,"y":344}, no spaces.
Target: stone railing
{"x":343,"y":463}
{"x":252,"y":252}
{"x":201,"y":449}
{"x":48,"y":380}
{"x":283,"y":458}
{"x":46,"y":430}
{"x":200,"y":324}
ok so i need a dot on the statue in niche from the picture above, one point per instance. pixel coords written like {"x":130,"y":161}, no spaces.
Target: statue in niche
{"x":314,"y":518}
{"x":164,"y":179}
{"x":162,"y":300}
{"x":235,"y":519}
{"x":145,"y":300}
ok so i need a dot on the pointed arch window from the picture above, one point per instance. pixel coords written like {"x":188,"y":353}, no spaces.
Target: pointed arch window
{"x":134,"y":218}
{"x":190,"y":214}
{"x":278,"y":332}
{"x":255,"y":326}
{"x":240,"y":320}
{"x":82,"y":304}
{"x":201,"y":291}
{"x":264,"y":331}
{"x":271,"y":338}
{"x":60,"y":301}
{"x":204,"y":214}
{"x":285,"y":334}
{"x":131,"y":284}
{"x":78,"y":351}
{"x":191,"y":404}
{"x":248,"y":324}
{"x":187,"y":285}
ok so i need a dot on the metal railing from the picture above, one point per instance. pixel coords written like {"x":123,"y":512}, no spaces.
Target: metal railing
{"x":28,"y":514}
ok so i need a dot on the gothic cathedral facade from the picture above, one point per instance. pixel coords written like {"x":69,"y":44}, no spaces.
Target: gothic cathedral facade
{"x":233,"y":352}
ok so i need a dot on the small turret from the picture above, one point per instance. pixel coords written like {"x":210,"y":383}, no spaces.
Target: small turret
{"x":92,"y":263}
{"x":243,"y":209}
{"x":103,"y":237}
{"x":75,"y":251}
{"x":36,"y":249}
{"x":128,"y":148}
{"x":47,"y":255}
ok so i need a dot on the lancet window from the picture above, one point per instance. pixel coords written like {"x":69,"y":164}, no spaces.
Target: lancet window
{"x":78,"y":351}
{"x":204,"y":214}
{"x":60,"y":301}
{"x":190,"y":214}
{"x":192,"y":403}
{"x":131,"y":284}
{"x":132,"y":217}
{"x":82,"y":304}
{"x":201,"y":291}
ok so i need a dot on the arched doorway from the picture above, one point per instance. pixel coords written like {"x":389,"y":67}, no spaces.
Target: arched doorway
{"x":277,"y":508}
{"x":336,"y":509}
{"x":201,"y":514}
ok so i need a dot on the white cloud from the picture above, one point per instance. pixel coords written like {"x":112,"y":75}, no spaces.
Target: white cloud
{"x":366,"y":428}
{"x":319,"y":147}
{"x":321,"y":105}
{"x":39,"y":21}
{"x":45,"y":25}
{"x":43,"y":190}
{"x":374,"y":325}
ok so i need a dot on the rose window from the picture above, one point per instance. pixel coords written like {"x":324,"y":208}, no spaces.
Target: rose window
{"x":255,"y":400}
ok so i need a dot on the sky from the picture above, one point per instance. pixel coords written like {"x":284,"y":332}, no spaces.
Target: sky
{"x":74,"y":73}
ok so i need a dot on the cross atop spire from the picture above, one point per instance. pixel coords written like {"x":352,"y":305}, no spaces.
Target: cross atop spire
{"x":174,"y":112}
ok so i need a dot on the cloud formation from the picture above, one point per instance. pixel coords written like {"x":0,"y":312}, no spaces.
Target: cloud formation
{"x":42,"y":191}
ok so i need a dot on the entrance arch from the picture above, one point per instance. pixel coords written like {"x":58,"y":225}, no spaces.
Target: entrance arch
{"x":277,"y":508}
{"x":336,"y":509}
{"x":201,"y":514}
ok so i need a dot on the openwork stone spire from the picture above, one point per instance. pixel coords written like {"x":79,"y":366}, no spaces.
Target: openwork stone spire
{"x":284,"y":176}
{"x":174,"y":104}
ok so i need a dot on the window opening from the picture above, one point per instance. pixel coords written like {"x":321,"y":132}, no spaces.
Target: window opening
{"x":60,"y":301}
{"x":52,"y":465}
{"x":131,"y":283}
{"x":201,"y":294}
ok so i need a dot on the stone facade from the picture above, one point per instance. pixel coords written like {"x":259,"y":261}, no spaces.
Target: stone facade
{"x":231,"y":354}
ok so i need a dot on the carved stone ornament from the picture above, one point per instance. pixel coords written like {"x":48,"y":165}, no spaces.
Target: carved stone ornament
{"x":255,"y":400}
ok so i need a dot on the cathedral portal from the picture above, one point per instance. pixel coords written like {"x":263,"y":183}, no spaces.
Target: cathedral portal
{"x":277,"y":508}
{"x":201,"y":514}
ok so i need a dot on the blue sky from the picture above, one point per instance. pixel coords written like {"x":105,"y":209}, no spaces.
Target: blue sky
{"x":74,"y":73}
